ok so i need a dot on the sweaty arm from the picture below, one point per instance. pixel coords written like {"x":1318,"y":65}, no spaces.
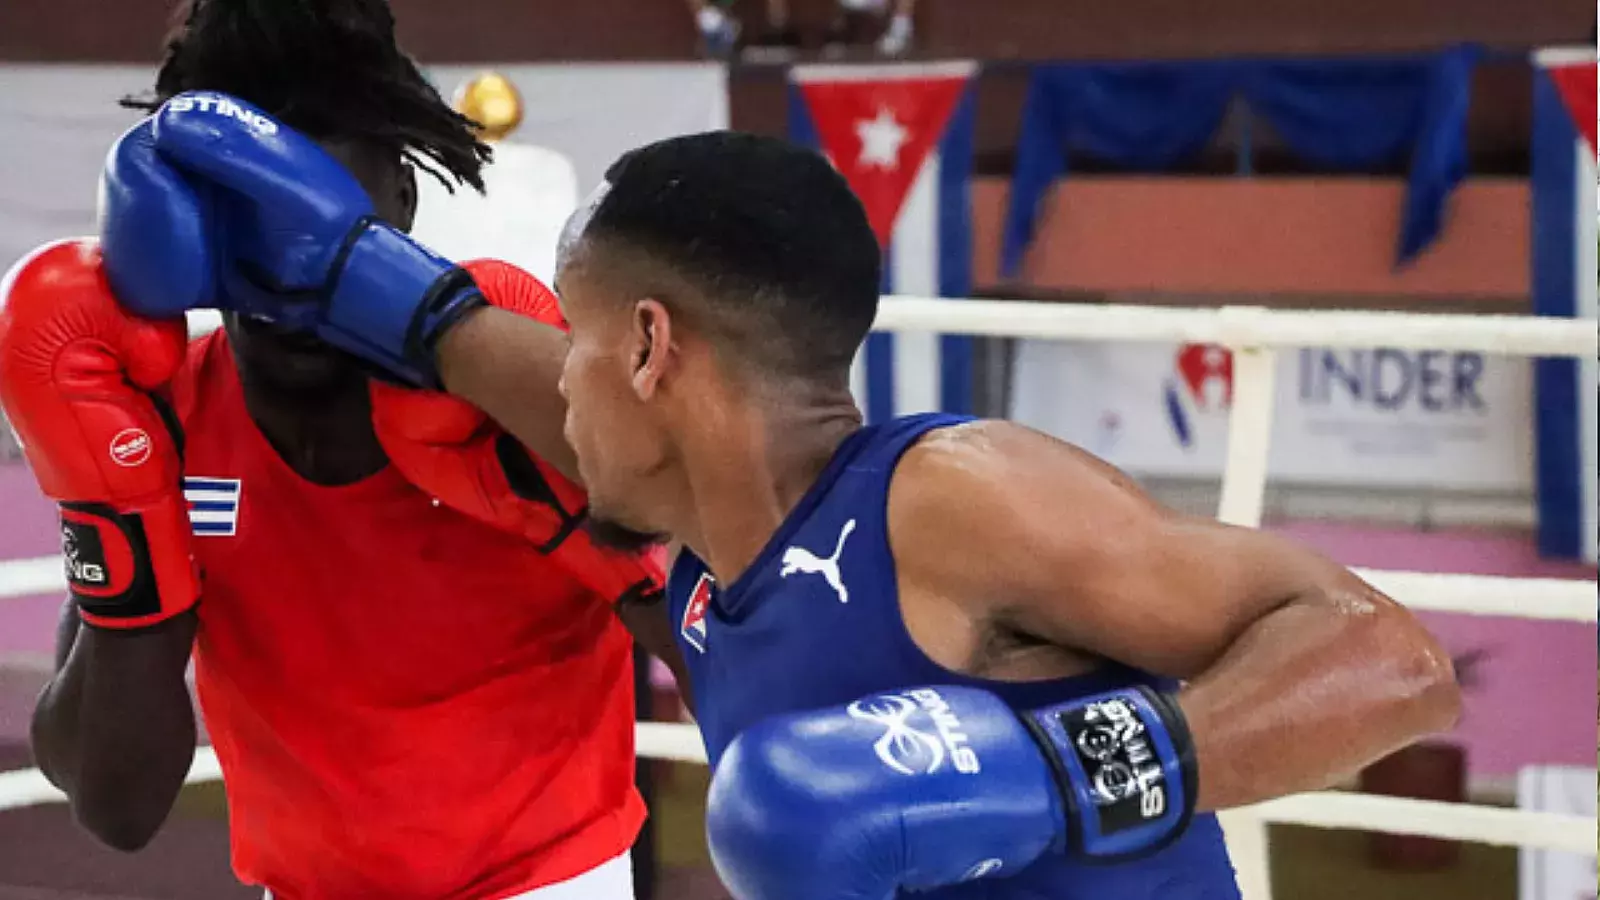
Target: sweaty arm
{"x":509,"y":365}
{"x":1297,"y":673}
{"x":115,"y":728}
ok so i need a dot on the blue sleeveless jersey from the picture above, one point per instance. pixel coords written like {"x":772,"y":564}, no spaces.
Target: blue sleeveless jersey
{"x":815,"y":622}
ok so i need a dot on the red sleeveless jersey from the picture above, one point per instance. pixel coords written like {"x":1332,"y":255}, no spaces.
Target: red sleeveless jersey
{"x":406,"y":703}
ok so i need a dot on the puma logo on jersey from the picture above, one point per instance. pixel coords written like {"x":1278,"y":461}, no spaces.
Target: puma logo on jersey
{"x":800,"y":561}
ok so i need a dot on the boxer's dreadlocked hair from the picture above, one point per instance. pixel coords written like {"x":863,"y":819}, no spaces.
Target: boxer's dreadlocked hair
{"x":329,"y":68}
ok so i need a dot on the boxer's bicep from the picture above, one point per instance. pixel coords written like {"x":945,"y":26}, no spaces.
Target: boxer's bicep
{"x":1035,"y":533}
{"x":509,"y":366}
{"x":1170,"y":593}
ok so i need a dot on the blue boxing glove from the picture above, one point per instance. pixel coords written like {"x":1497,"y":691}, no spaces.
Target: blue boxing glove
{"x":928,"y":787}
{"x":300,"y":243}
{"x":155,"y":231}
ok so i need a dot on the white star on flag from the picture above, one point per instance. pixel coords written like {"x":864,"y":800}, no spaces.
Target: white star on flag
{"x":881,"y":140}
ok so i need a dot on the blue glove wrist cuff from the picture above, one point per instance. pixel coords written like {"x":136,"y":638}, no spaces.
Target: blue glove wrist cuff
{"x":1125,"y":764}
{"x":391,"y":300}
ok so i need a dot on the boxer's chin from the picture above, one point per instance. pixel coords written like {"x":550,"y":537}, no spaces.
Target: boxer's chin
{"x":290,"y":363}
{"x":616,"y":536}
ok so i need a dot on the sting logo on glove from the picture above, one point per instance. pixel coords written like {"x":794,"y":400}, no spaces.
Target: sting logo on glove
{"x":1115,"y":750}
{"x":223,"y":106}
{"x":85,"y":571}
{"x":1127,"y":767}
{"x":910,"y":751}
{"x":108,"y":562}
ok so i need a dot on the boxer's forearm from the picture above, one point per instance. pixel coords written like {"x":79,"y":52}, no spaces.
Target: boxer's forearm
{"x":1311,"y":693}
{"x":509,"y":366}
{"x":115,"y":728}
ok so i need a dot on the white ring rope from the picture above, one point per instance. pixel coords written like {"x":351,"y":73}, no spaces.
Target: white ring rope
{"x":1244,"y":481}
{"x":1241,"y":326}
{"x":1326,"y":809}
{"x":1552,"y":599}
{"x":27,"y":577}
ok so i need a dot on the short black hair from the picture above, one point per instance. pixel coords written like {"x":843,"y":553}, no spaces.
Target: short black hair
{"x":766,"y":232}
{"x":329,"y":68}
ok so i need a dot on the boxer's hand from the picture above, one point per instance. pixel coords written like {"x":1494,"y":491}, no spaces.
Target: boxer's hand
{"x":928,"y":787}
{"x":74,"y":372}
{"x":303,"y":247}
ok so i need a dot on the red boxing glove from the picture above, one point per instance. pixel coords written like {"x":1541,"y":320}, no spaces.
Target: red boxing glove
{"x":75,"y":372}
{"x":450,"y":449}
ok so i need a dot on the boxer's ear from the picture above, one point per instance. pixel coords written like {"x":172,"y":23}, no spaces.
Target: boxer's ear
{"x":406,"y":197}
{"x":652,"y":346}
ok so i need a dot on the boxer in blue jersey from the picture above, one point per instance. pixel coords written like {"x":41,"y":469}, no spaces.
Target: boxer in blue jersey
{"x":937,"y":655}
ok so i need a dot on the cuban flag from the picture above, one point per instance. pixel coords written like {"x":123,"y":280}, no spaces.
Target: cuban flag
{"x":213,"y":506}
{"x":693,"y":628}
{"x":1564,"y":276}
{"x":902,"y":136}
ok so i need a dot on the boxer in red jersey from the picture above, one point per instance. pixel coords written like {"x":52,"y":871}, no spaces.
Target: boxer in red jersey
{"x":406,"y":650}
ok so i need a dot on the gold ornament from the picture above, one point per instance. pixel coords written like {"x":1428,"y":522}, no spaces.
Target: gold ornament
{"x":491,"y":100}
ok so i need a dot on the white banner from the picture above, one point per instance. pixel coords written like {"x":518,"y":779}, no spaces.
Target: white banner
{"x":592,"y":113}
{"x":577,"y":119}
{"x":1550,"y":874}
{"x":1362,"y":418}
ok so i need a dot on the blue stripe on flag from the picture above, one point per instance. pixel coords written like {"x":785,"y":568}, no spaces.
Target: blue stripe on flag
{"x":878,"y":357}
{"x":220,"y":506}
{"x":802,"y":130}
{"x":1555,"y":292}
{"x":209,"y":484}
{"x":955,"y":250}
{"x":212,"y":527}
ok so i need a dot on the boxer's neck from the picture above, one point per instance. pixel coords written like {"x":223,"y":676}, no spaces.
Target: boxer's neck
{"x":741,"y":490}
{"x":327,"y":440}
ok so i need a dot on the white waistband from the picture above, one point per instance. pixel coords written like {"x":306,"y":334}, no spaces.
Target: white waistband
{"x":611,"y":880}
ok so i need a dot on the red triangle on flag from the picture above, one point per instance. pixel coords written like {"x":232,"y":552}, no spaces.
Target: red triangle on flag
{"x":879,"y":129}
{"x":1576,"y":84}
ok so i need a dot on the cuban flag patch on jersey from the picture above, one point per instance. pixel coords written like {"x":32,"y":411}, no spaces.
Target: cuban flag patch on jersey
{"x":213,"y":505}
{"x":693,"y":628}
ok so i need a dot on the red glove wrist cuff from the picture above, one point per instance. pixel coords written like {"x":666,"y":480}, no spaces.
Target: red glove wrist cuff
{"x":129,"y":569}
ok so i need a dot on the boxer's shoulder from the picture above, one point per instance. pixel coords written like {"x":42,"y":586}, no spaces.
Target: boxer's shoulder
{"x":991,"y":467}
{"x":977,"y":507}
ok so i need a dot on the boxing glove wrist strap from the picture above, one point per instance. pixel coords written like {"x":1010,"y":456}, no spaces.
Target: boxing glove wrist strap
{"x":1125,"y":764}
{"x":124,"y":569}
{"x":391,"y":299}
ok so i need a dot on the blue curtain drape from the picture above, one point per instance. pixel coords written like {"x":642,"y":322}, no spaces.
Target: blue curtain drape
{"x":1349,"y":114}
